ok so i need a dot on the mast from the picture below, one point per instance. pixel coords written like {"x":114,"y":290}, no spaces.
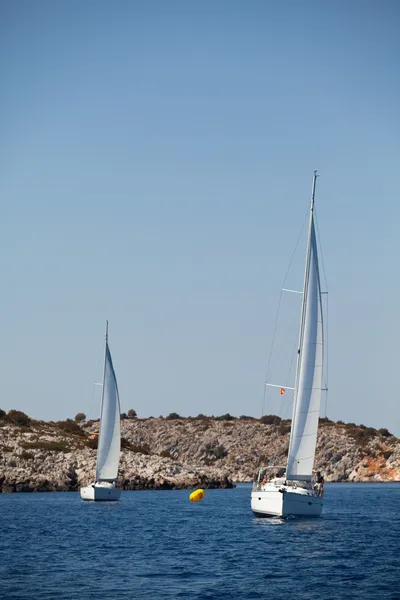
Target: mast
{"x":303,"y":306}
{"x":105,"y":363}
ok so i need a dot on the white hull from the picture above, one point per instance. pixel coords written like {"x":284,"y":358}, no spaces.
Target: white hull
{"x":100,"y":492}
{"x":282,"y":501}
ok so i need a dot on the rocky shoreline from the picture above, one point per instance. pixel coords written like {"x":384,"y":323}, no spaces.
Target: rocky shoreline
{"x":183,"y":453}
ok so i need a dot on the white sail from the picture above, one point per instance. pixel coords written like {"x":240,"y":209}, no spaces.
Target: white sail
{"x":307,"y":396}
{"x":110,"y":436}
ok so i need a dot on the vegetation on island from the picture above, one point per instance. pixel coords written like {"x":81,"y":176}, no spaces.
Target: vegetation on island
{"x":72,"y":433}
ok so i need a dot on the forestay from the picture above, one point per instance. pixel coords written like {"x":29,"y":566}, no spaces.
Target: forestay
{"x":307,"y":396}
{"x":109,"y":437}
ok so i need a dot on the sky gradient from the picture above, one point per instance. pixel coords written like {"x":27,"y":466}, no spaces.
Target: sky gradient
{"x":156,"y":169}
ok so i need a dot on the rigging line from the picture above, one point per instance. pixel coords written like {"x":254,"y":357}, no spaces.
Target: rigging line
{"x":285,"y":404}
{"x":294,"y":353}
{"x":272,"y":346}
{"x":295,"y":248}
{"x":279,"y":305}
{"x":92,"y":398}
{"x":94,"y":401}
{"x":263,"y":404}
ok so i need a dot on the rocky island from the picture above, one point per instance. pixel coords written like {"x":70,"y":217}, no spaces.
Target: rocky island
{"x":176,"y":452}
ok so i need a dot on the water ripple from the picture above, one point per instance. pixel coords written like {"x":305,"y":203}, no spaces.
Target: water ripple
{"x":158,"y":545}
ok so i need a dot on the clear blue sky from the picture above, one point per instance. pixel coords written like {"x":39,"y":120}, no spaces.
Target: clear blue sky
{"x":156,"y":166}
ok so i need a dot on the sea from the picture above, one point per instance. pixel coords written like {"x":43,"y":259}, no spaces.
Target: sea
{"x":159,"y":545}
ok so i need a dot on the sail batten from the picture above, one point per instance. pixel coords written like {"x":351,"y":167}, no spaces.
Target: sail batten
{"x":307,"y":395}
{"x":108,"y":450}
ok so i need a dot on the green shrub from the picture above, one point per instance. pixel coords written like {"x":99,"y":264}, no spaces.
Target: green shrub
{"x":226,"y":417}
{"x":26,"y":455}
{"x":362,"y":436}
{"x":370,"y":431}
{"x":42,"y":445}
{"x":140,"y":448}
{"x":18,"y":418}
{"x":125,"y":443}
{"x":132,"y":414}
{"x":270,"y":420}
{"x":173,"y":415}
{"x":166,"y":454}
{"x":71,"y":427}
{"x":283,"y":428}
{"x":2,"y":414}
{"x":220,"y":452}
{"x":80,"y":417}
{"x":385,"y":432}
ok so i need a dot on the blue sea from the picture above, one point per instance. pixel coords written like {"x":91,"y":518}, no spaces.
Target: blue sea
{"x":156,"y":544}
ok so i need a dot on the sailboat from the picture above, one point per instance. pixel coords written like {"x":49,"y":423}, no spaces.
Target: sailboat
{"x":291,"y":491}
{"x":109,"y":441}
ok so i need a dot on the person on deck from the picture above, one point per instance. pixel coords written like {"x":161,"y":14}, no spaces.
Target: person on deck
{"x":320,"y":484}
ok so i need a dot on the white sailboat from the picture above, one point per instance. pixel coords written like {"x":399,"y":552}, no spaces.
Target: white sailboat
{"x":109,"y":444}
{"x":293,"y":493}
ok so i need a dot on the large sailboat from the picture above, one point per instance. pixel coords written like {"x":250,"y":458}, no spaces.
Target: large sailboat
{"x":109,"y":441}
{"x":292,"y":492}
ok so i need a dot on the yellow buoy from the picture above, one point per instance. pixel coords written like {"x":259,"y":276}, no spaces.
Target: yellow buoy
{"x":197,"y":495}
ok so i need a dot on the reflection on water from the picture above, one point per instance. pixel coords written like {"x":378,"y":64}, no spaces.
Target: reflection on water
{"x":299,"y":523}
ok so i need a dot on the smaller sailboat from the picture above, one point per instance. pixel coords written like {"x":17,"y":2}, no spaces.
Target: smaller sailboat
{"x":291,"y":491}
{"x":109,"y":441}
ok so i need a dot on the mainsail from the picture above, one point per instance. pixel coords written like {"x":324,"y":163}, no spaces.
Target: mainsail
{"x":110,"y":436}
{"x":307,"y":395}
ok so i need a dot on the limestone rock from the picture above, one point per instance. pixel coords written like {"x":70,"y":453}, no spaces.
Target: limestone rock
{"x":185,"y":453}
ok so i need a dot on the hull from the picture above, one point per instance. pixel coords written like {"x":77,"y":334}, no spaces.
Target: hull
{"x":275,"y":503}
{"x":102,"y":492}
